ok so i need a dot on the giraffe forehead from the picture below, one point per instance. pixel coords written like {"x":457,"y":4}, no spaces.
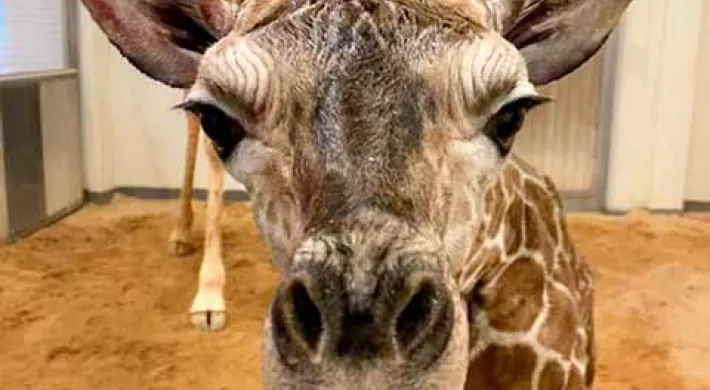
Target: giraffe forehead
{"x":308,"y":45}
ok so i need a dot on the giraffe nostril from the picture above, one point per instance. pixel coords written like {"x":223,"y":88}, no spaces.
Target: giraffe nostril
{"x":423,"y":327}
{"x":297,"y":322}
{"x":307,"y":320}
{"x":415,"y":316}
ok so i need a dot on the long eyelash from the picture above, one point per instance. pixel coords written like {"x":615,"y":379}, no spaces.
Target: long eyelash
{"x":187,"y":105}
{"x":528,"y":103}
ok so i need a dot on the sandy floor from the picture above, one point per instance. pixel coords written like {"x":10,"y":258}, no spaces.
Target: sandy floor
{"x":96,"y":302}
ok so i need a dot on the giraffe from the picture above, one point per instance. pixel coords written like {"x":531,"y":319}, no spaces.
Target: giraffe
{"x":542,"y":243}
{"x":530,"y":294}
{"x":207,"y":311}
{"x":368,"y":134}
{"x":179,"y":242}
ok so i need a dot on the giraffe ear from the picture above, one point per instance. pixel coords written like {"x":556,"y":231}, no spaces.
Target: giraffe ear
{"x":555,"y":36}
{"x":164,"y":39}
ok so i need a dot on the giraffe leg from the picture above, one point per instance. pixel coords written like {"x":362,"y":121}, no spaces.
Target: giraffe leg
{"x":179,"y":242}
{"x":208,"y":308}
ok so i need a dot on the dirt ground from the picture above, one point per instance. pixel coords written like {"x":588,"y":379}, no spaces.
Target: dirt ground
{"x":96,"y":302}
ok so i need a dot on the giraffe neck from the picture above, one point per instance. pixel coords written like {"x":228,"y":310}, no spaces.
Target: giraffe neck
{"x":526,"y":286}
{"x":522,"y":217}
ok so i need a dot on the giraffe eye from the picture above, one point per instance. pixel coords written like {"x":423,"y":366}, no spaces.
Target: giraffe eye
{"x":508,"y":121}
{"x":224,"y":132}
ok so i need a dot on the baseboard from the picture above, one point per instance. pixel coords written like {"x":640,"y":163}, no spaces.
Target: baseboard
{"x":38,"y":225}
{"x":105,"y":197}
{"x":688,"y":207}
{"x":650,"y":211}
{"x":696,"y":206}
{"x":572,"y":202}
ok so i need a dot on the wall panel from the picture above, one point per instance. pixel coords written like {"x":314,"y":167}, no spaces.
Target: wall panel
{"x":23,"y":154}
{"x":40,"y":157}
{"x":3,"y":190}
{"x":653,"y":104}
{"x":59,"y":110}
{"x":698,"y":176}
{"x":560,"y":138}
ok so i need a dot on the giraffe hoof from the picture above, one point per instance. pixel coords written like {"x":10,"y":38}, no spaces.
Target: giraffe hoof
{"x":179,"y":248}
{"x":208,"y":312}
{"x":179,"y":244}
{"x":209,"y":321}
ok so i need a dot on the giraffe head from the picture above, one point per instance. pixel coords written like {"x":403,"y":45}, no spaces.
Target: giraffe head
{"x":366,"y":133}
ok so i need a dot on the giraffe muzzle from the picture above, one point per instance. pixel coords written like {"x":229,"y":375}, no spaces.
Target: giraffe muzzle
{"x":318,"y":316}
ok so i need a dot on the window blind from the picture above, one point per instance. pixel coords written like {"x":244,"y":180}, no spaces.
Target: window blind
{"x":32,"y":36}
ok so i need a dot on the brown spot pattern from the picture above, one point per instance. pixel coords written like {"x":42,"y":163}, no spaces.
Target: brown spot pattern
{"x":568,"y":248}
{"x":490,"y":258}
{"x":564,"y":273}
{"x":541,"y":199}
{"x":488,"y":201}
{"x":575,"y":380}
{"x":532,"y":230}
{"x":513,"y":224}
{"x":509,"y":184}
{"x":478,"y":240}
{"x":514,"y":175}
{"x":547,"y":250}
{"x":558,"y":332}
{"x":552,"y":190}
{"x":552,"y":377}
{"x":580,"y":347}
{"x":514,"y":302}
{"x":494,"y":195}
{"x":502,"y":368}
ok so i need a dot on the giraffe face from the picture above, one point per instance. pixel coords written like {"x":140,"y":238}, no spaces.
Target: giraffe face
{"x":338,"y":108}
{"x":369,"y":137}
{"x":366,"y":132}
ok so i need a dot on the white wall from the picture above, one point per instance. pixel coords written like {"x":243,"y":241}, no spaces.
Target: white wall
{"x":698,"y":177}
{"x":131,"y":137}
{"x":654,"y":104}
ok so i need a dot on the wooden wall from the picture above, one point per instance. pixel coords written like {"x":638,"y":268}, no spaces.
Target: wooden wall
{"x":561,"y":138}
